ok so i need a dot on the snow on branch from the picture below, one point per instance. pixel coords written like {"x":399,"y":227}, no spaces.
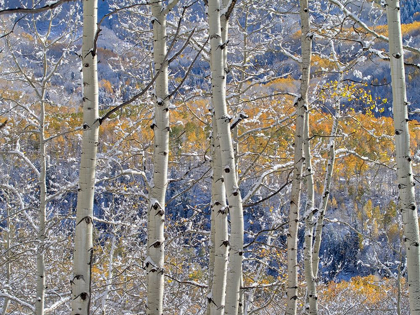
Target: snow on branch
{"x":259,"y":182}
{"x":366,"y":28}
{"x":17,"y":300}
{"x":23,"y":157}
{"x":49,"y":5}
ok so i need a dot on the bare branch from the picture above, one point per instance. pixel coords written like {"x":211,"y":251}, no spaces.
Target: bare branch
{"x":35,"y":10}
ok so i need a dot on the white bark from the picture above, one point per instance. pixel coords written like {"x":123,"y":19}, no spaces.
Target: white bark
{"x":156,"y":215}
{"x":228,"y":160}
{"x":40,"y":257}
{"x":324,"y":200}
{"x":212,"y":250}
{"x":219,"y":210}
{"x":302,"y":106}
{"x":310,"y":210}
{"x":403,"y":155}
{"x":83,"y":250}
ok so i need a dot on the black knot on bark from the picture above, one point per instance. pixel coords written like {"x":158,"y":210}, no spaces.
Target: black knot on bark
{"x":225,"y":243}
{"x":156,"y":244}
{"x":397,"y":55}
{"x":78,"y":277}
{"x":84,"y":296}
{"x":241,"y":253}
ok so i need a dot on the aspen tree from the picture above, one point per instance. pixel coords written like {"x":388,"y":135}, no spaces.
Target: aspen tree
{"x":160,"y":126}
{"x":218,"y":82}
{"x":310,"y":210}
{"x":302,"y":106}
{"x":330,"y":164}
{"x":403,"y":154}
{"x":40,"y":258}
{"x":216,"y":297}
{"x":83,"y":250}
{"x":324,"y":200}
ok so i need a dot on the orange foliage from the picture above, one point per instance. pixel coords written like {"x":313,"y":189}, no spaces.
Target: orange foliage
{"x":106,"y":85}
{"x":405,"y":28}
{"x":370,"y":291}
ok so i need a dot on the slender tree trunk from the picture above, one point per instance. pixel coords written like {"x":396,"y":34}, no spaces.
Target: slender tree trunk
{"x":310,"y":210}
{"x":324,"y":200}
{"x":228,"y":160}
{"x":403,"y":155}
{"x":40,"y":258}
{"x":156,"y":215}
{"x":292,"y":235}
{"x":302,"y":106}
{"x":83,"y":251}
{"x":216,"y":298}
{"x":212,"y":249}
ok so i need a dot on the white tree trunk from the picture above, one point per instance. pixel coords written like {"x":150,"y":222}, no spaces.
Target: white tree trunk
{"x":324,"y":200}
{"x":40,"y":257}
{"x":302,"y":106}
{"x":156,"y":215}
{"x":212,"y":250}
{"x":311,"y":305}
{"x":228,"y":160}
{"x":83,"y":250}
{"x":219,"y":210}
{"x":403,"y":155}
{"x":310,"y":210}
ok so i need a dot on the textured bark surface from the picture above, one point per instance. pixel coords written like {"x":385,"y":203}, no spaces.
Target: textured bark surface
{"x":228,"y":160}
{"x":160,"y":126}
{"x":324,"y":200}
{"x":311,"y":305}
{"x":83,"y":251}
{"x":301,"y":103}
{"x":219,"y":210}
{"x":40,"y":257}
{"x":403,"y":155}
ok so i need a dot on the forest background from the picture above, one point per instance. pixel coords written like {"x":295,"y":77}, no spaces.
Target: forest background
{"x":362,"y":258}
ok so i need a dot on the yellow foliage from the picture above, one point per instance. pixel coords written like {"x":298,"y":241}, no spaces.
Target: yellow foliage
{"x":106,"y":85}
{"x":405,"y":28}
{"x":370,"y":290}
